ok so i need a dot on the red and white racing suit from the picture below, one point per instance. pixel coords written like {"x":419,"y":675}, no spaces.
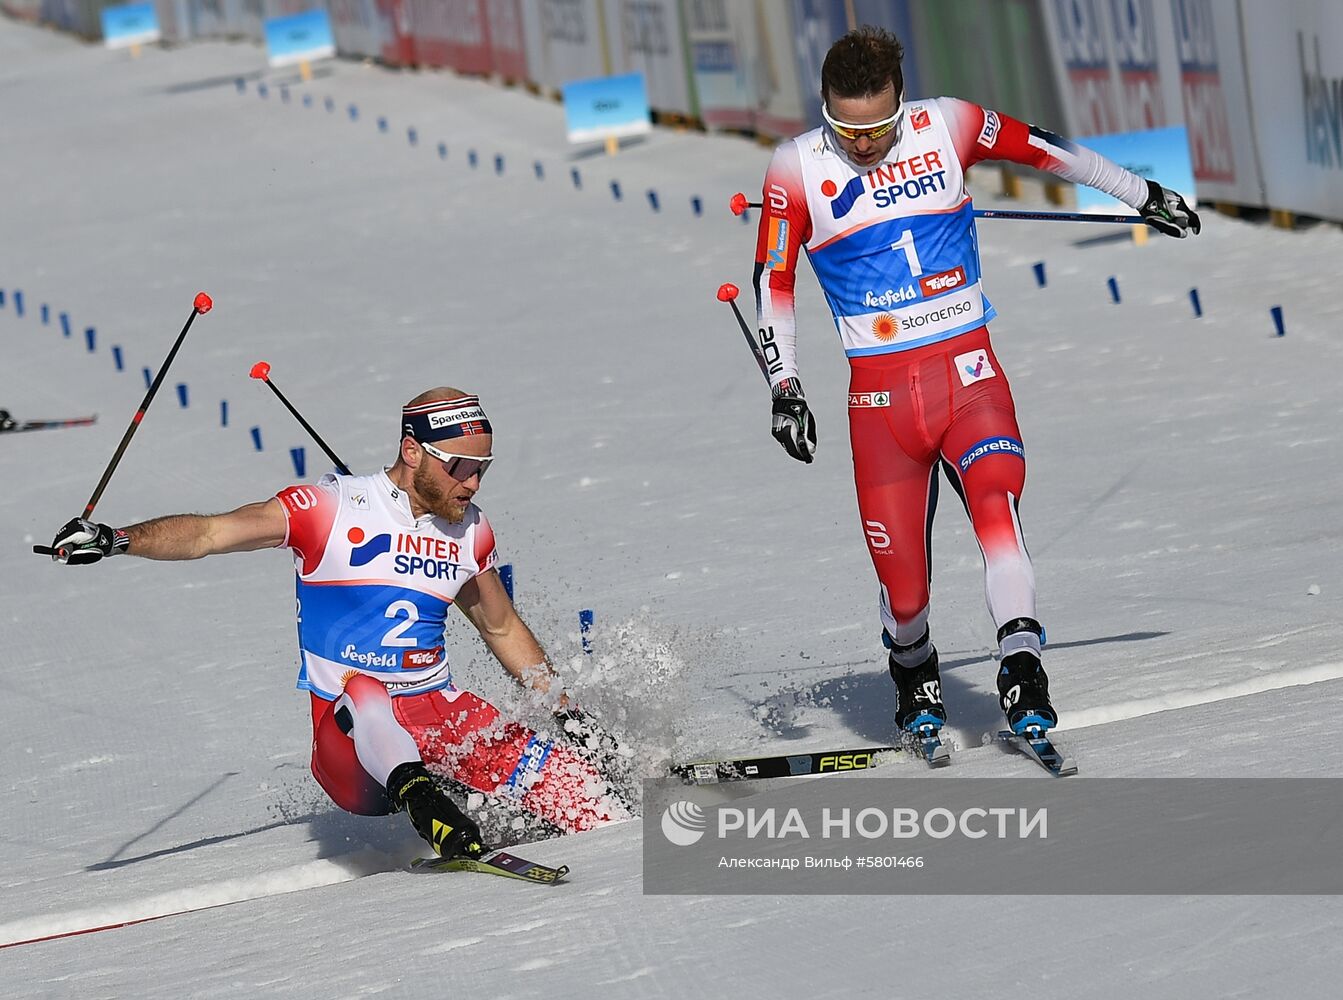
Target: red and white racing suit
{"x":895,"y":251}
{"x":374,"y":587}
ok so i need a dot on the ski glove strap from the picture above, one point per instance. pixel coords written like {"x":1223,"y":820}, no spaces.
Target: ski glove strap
{"x":1167,"y":212}
{"x":81,"y":542}
{"x":793,"y":426}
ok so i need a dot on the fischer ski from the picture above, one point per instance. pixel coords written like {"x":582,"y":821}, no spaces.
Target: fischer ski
{"x":493,"y":863}
{"x":1037,"y":746}
{"x":712,"y":772}
{"x":8,"y":425}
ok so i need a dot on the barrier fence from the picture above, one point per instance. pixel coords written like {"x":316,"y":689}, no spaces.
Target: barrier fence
{"x":1259,"y":85}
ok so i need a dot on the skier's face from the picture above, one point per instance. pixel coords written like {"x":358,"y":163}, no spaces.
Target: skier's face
{"x":874,"y":120}
{"x":440,"y":493}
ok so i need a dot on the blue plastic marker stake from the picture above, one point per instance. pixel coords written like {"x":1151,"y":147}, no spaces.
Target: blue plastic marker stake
{"x":299,"y":459}
{"x":506,"y":578}
{"x":1193,"y":300}
{"x":498,"y":163}
{"x":65,"y":324}
{"x":1039,"y":268}
{"x":412,"y":137}
{"x":2,"y":298}
{"x":1276,"y":313}
{"x":223,"y":413}
{"x":653,"y":200}
{"x":307,"y":100}
{"x":471,"y":158}
{"x":149,"y":377}
{"x":354,"y":113}
{"x":90,"y":338}
{"x":585,"y":618}
{"x":116,"y":357}
{"x":330,"y":104}
{"x":615,"y":190}
{"x":442,"y":151}
{"x":256,"y":438}
{"x":182,"y":394}
{"x":696,"y":205}
{"x":284,"y":94}
{"x":540,"y":170}
{"x":18,"y":303}
{"x":1113,"y":284}
{"x":46,"y":314}
{"x":746,"y":217}
{"x":382,"y":124}
{"x":241,"y":84}
{"x":262,"y":90}
{"x":577,"y":178}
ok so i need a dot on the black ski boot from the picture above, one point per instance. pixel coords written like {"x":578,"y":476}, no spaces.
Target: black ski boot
{"x":436,"y":818}
{"x":7,"y":423}
{"x":1023,"y":687}
{"x":918,"y":689}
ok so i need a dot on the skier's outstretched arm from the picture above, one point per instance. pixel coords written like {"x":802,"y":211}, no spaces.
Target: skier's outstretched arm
{"x":175,"y":536}
{"x":980,"y":134}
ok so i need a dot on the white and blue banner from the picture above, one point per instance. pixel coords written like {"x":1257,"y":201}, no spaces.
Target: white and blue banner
{"x":606,"y":107}
{"x":299,"y":38}
{"x":130,"y":24}
{"x":1159,"y":154}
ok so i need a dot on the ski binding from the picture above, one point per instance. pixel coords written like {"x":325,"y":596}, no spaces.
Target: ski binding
{"x":1034,"y":743}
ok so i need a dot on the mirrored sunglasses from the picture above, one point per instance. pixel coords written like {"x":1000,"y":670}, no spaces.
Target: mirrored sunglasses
{"x":460,"y":467}
{"x":871,"y":131}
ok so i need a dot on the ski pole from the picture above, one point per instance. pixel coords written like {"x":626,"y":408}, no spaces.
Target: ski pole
{"x":201,"y":304}
{"x":1115,"y":220}
{"x":739,"y":204}
{"x":727,"y":292}
{"x":261,"y":371}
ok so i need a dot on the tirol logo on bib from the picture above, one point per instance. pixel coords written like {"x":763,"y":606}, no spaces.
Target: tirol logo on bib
{"x":973,"y":366}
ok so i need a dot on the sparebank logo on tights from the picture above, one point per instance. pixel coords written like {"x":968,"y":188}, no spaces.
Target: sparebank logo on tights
{"x":991,"y":446}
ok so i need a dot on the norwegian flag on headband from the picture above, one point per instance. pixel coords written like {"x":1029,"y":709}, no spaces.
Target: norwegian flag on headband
{"x":440,"y":419}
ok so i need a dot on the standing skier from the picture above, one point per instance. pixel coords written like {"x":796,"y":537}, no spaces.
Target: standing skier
{"x":877,"y":198}
{"x":379,"y":561}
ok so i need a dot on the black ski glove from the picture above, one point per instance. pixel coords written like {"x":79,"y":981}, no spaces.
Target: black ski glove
{"x":793,"y":425}
{"x":81,"y":542}
{"x":1167,"y":212}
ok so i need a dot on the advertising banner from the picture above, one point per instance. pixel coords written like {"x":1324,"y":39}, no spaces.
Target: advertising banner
{"x":450,"y":33}
{"x":1294,"y":53}
{"x":1080,"y":41}
{"x":298,"y":38}
{"x":508,"y":48}
{"x":1216,"y":102}
{"x":130,"y":24}
{"x":998,"y":32}
{"x":357,"y":26}
{"x":566,"y":43}
{"x":606,"y":107}
{"x":28,"y":10}
{"x":1160,"y":155}
{"x":645,"y":37}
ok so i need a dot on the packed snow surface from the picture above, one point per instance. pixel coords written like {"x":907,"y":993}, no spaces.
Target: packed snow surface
{"x":1182,"y":510}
